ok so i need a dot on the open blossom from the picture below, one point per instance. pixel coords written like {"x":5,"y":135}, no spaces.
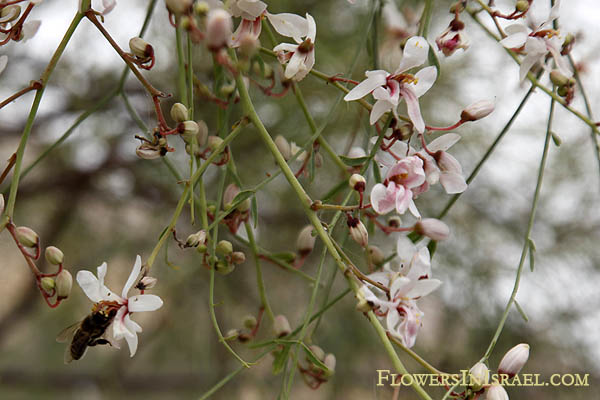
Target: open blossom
{"x":300,"y":57}
{"x":123,"y":326}
{"x":388,"y":88}
{"x":402,"y":183}
{"x":537,"y":44}
{"x":402,"y":315}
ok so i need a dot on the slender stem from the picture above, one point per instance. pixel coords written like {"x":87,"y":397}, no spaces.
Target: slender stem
{"x":34,"y":86}
{"x":416,"y":357}
{"x":425,"y":18}
{"x":259,"y":277}
{"x":526,"y":241}
{"x":10,"y":205}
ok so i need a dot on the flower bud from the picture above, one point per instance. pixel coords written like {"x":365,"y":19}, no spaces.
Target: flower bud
{"x":1,"y":204}
{"x":225,"y":268}
{"x":147,"y":152}
{"x":317,"y":352}
{"x":214,"y":142}
{"x":238,"y":257}
{"x":219,"y":27}
{"x":147,"y":282}
{"x":432,"y":228}
{"x":522,"y":6}
{"x":514,"y":360}
{"x":479,"y":375}
{"x":53,"y":255}
{"x":224,"y":248}
{"x":330,"y":362}
{"x":47,"y":283}
{"x":64,"y":282}
{"x":26,"y":236}
{"x":201,"y":8}
{"x":306,"y":241}
{"x":250,"y":322}
{"x":232,"y":334}
{"x":376,"y":255}
{"x":248,"y":45}
{"x":9,"y":13}
{"x":202,"y":133}
{"x":196,"y":239}
{"x":231,"y":191}
{"x":558,"y":78}
{"x":478,"y":110}
{"x":563,"y":91}
{"x":447,"y":162}
{"x":496,"y":392}
{"x":179,"y":112}
{"x":188,"y":129}
{"x":357,"y":182}
{"x":281,"y":326}
{"x":178,"y":7}
{"x":284,"y":147}
{"x":358,"y":231}
{"x":140,"y":48}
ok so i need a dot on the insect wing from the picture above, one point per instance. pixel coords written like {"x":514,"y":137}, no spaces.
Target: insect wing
{"x":66,"y":334}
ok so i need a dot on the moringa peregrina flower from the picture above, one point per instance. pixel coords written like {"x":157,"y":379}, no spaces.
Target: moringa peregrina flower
{"x":123,"y":326}
{"x":300,"y":57}
{"x":388,"y":88}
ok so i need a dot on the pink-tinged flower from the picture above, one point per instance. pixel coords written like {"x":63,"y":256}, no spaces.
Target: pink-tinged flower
{"x":218,"y":29}
{"x":514,"y":360}
{"x":398,"y":189}
{"x":403,"y":317}
{"x":300,"y":57}
{"x":432,"y":228}
{"x":387,"y":89}
{"x":443,"y":167}
{"x":453,"y":38}
{"x":251,"y":12}
{"x":478,"y":110}
{"x":537,"y":43}
{"x":123,"y":326}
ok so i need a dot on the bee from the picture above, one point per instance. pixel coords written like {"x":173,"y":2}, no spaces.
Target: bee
{"x":91,"y":331}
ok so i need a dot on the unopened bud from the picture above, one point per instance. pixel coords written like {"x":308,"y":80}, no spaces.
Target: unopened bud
{"x":189,"y":130}
{"x":522,"y":6}
{"x":317,"y":352}
{"x":284,"y":147}
{"x":225,"y":268}
{"x":47,"y":283}
{"x":569,"y":39}
{"x":147,"y":153}
{"x":478,"y":110}
{"x":147,"y":282}
{"x":224,"y":247}
{"x":306,"y":241}
{"x":54,"y":255}
{"x":281,"y":326}
{"x":358,"y":182}
{"x":479,"y":375}
{"x":179,"y":112}
{"x":219,"y":27}
{"x":496,"y":392}
{"x":238,"y":257}
{"x":563,"y":91}
{"x":231,"y":191}
{"x":249,"y":322}
{"x":232,"y":334}
{"x":26,"y":236}
{"x":358,"y":231}
{"x":196,"y":239}
{"x":249,"y":45}
{"x":64,"y":282}
{"x":140,"y":48}
{"x":558,"y":78}
{"x":214,"y":142}
{"x":514,"y":360}
{"x":227,"y":89}
{"x":330,"y":362}
{"x":178,"y":7}
{"x":9,"y":13}
{"x":376,"y":255}
{"x":201,"y":8}
{"x":432,"y":228}
{"x":202,"y":133}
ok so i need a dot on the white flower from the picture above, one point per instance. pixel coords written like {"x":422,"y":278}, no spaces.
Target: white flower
{"x":387,"y":89}
{"x":403,"y":317}
{"x":123,"y":326}
{"x":300,"y":57}
{"x":537,"y":44}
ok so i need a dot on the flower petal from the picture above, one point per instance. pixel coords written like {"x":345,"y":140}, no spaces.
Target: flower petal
{"x":108,"y":6}
{"x":423,"y":287}
{"x":453,"y":182}
{"x":90,"y":285}
{"x":312,"y":28}
{"x":135,"y":272}
{"x":374,"y":80}
{"x":294,"y":65}
{"x":405,"y":250}
{"x":383,"y":199}
{"x":120,"y":329}
{"x":379,"y":108}
{"x":443,"y":142}
{"x":415,"y":53}
{"x":290,"y":25}
{"x":412,"y":107}
{"x":426,"y":78}
{"x":515,"y":40}
{"x":144,"y":302}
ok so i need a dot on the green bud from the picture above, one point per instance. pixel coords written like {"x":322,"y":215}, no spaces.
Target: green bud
{"x":26,"y":236}
{"x":558,"y":78}
{"x":189,"y":131}
{"x":201,"y":8}
{"x":140,"y":48}
{"x":317,"y":352}
{"x":238,"y":257}
{"x":179,"y":112}
{"x":249,"y":321}
{"x":47,"y":283}
{"x":281,"y":326}
{"x":224,"y":247}
{"x":54,"y":255}
{"x":214,"y":142}
{"x":64,"y":282}
{"x":178,"y":7}
{"x":10,"y":13}
{"x":201,"y":248}
{"x":562,"y":91}
{"x":522,"y":6}
{"x":225,"y":268}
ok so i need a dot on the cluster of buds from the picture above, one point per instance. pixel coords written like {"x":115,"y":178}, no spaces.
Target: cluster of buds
{"x":142,"y":53}
{"x":250,"y":325}
{"x":226,"y":259}
{"x":54,"y":287}
{"x":13,"y":25}
{"x":317,"y":367}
